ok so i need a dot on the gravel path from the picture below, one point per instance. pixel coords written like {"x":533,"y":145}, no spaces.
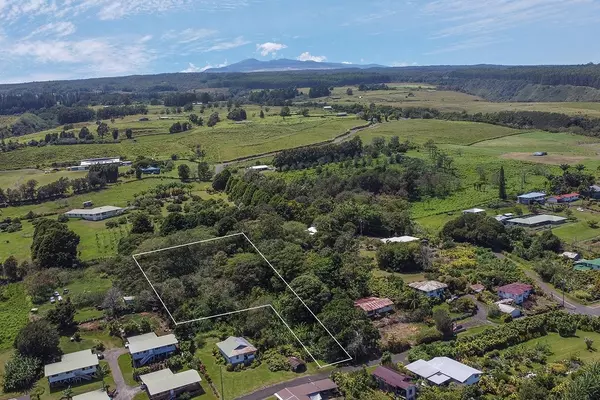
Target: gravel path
{"x":124,"y":392}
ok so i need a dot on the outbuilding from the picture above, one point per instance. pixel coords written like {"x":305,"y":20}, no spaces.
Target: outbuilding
{"x":374,"y":306}
{"x":400,"y":239}
{"x":563,"y":198}
{"x":474,"y":211}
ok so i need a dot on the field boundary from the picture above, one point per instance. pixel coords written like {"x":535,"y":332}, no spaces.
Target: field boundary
{"x":242,"y":234}
{"x":499,"y":137}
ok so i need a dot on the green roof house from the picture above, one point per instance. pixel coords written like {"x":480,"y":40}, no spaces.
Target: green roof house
{"x":587,"y":265}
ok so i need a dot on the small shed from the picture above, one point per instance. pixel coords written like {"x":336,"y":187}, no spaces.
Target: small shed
{"x":87,"y":204}
{"x":540,"y":153}
{"x":296,"y":364}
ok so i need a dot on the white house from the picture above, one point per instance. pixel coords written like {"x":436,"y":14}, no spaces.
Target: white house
{"x":517,"y":291}
{"x":259,"y":168}
{"x":164,"y":384}
{"x":73,"y":367}
{"x":506,"y":308}
{"x":531,"y":198}
{"x":100,"y":161}
{"x":94,"y":214}
{"x":442,"y":370}
{"x":237,"y":350}
{"x":95,"y":395}
{"x":571,"y":255}
{"x":327,"y":108}
{"x":474,"y":211}
{"x":430,"y":288}
{"x":400,"y":239}
{"x":149,"y":347}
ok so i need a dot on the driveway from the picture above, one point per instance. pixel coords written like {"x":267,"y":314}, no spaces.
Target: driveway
{"x":124,"y":392}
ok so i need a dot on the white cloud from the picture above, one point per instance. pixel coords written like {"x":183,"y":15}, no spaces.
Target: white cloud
{"x":189,"y":35}
{"x":404,"y":64}
{"x":306,"y":56}
{"x":269,"y":47}
{"x":346,"y":62}
{"x":227,"y":45}
{"x":60,"y":29}
{"x":193,"y":68}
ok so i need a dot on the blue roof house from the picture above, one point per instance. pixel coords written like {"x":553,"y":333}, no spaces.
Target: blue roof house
{"x":531,"y":198}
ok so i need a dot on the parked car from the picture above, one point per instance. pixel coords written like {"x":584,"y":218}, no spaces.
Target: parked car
{"x":56,"y":293}
{"x":59,"y":298}
{"x":100,"y":356}
{"x":65,"y":291}
{"x":52,"y":300}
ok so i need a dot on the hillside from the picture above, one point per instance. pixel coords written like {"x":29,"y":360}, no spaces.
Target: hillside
{"x":284,"y":64}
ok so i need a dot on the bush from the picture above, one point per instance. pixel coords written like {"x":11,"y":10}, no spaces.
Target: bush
{"x":174,"y":208}
{"x":62,"y":218}
{"x":506,"y":318}
{"x":494,"y":311}
{"x":21,"y":373}
{"x":428,"y":335}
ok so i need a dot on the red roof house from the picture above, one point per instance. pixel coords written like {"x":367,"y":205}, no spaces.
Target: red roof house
{"x":393,"y":381}
{"x":308,"y":391}
{"x":563,"y":198}
{"x":374,"y":305}
{"x":516,"y":291}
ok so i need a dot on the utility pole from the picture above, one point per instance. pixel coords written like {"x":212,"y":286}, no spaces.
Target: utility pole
{"x":221,"y":372}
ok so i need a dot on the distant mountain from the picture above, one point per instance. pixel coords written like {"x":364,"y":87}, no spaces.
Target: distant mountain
{"x":284,"y":64}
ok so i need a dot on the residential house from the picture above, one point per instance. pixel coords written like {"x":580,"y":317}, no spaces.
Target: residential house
{"x":72,"y":368}
{"x":444,"y":370}
{"x":100,"y":161}
{"x":430,"y":288}
{"x":24,"y":397}
{"x":259,"y":168}
{"x":593,"y":192}
{"x":150,"y":170}
{"x":392,"y":381}
{"x":517,"y":291}
{"x":588,"y":265}
{"x":506,"y":308}
{"x":94,"y":214}
{"x":563,"y":198}
{"x":474,"y":211}
{"x":400,"y":239}
{"x":129,"y":301}
{"x":95,"y":395}
{"x":571,"y":255}
{"x":374,"y":306}
{"x":148,"y":347}
{"x":237,"y":350}
{"x":327,"y":108}
{"x":536,"y":221}
{"x":317,"y":390}
{"x":165,"y":385}
{"x":532,"y":198}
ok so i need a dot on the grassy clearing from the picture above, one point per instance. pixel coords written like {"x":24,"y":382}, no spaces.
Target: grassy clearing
{"x":14,"y":178}
{"x":563,"y":348}
{"x":126,"y":367}
{"x":14,"y":313}
{"x":88,"y":340}
{"x":238,"y":383}
{"x":407,"y":278}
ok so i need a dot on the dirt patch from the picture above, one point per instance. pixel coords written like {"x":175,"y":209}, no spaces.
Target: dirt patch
{"x":397,"y":330}
{"x":555,"y":159}
{"x":91,"y":326}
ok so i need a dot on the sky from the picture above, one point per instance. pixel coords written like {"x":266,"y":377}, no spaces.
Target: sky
{"x":69,"y":39}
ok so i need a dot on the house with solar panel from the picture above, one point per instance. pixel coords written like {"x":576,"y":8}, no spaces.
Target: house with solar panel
{"x":374,"y":306}
{"x":149,"y":348}
{"x":444,"y":370}
{"x":237,"y":350}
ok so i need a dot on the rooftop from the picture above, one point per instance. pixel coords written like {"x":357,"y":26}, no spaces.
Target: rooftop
{"x":570,"y":254}
{"x":505,"y":308}
{"x":165,"y":380}
{"x":532,"y":195}
{"x":400,"y":239}
{"x":71,"y":362}
{"x":372,"y":303}
{"x":478,"y":287}
{"x":428,"y":286}
{"x":393,"y":378}
{"x":516,"y":288}
{"x":259,"y":167}
{"x":304,"y":392}
{"x":234,"y":346}
{"x":474,"y":211}
{"x":95,"y":395}
{"x":150,"y":341}
{"x":565,"y":196}
{"x":595,"y":262}
{"x":440,"y":369}
{"x":537,"y":219}
{"x":96,"y":210}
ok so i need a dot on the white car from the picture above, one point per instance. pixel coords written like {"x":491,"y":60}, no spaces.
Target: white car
{"x":56,"y":293}
{"x":59,"y":298}
{"x":52,"y":300}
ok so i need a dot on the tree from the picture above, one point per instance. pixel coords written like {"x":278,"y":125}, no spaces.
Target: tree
{"x":141,"y":223}
{"x":398,"y":257}
{"x":204,"y":173}
{"x":305,"y":112}
{"x":477,"y":229}
{"x":285,"y":112}
{"x":54,"y":244}
{"x":115,"y":134}
{"x":220,"y":180}
{"x":67,"y":393}
{"x":11,"y":269}
{"x":102,"y":372}
{"x":183,"y":170}
{"x":349,"y":92}
{"x":502,"y":184}
{"x":38,"y":339}
{"x":129,"y":133}
{"x":443,"y":322}
{"x":20,"y":373}
{"x":84,"y":133}
{"x":113,"y":302}
{"x":237,"y":114}
{"x":63,"y":315}
{"x":102,"y":129}
{"x":213,"y":119}
{"x":262,"y":114}
{"x":138,"y":173}
{"x":589,"y":343}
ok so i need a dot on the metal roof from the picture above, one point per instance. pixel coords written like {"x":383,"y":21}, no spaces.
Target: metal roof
{"x":454,"y":369}
{"x":595,"y":262}
{"x":532,"y":195}
{"x":474,"y":211}
{"x":306,"y":391}
{"x":422,"y":368}
{"x":71,"y":362}
{"x":505,"y":308}
{"x":95,"y":395}
{"x":373,"y":303}
{"x":537,"y":219}
{"x":428,"y":286}
{"x":393,"y":378}
{"x":150,"y":341}
{"x":516,"y":288}
{"x":165,"y":380}
{"x":93,"y":211}
{"x":400,"y":239}
{"x":439,"y":378}
{"x":234,"y":346}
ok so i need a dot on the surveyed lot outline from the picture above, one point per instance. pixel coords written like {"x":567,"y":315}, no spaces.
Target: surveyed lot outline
{"x":268,"y":306}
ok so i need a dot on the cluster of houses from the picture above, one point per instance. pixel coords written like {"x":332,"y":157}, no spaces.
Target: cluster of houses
{"x":526,"y":221}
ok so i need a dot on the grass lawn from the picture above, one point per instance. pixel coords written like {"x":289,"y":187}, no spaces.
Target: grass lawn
{"x":407,"y":278}
{"x":89,"y":340}
{"x":126,"y":367}
{"x":14,"y":313}
{"x":563,"y":348}
{"x":238,"y":383}
{"x":475,"y":330}
{"x":446,"y":307}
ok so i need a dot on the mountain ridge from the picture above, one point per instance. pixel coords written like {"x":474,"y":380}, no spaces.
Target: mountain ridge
{"x":286,"y":64}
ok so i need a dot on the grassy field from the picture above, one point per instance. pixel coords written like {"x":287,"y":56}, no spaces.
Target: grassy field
{"x":238,"y":383}
{"x":126,"y":367}
{"x":563,"y":348}
{"x":14,"y":313}
{"x":428,"y":96}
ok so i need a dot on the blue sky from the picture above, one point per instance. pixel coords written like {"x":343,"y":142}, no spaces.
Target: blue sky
{"x":65,"y":39}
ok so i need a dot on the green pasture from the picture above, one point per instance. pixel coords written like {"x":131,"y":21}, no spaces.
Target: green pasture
{"x":564,"y":348}
{"x":14,"y":313}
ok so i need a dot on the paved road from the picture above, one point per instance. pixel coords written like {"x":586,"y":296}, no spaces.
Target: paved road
{"x":124,"y":392}
{"x":338,"y":139}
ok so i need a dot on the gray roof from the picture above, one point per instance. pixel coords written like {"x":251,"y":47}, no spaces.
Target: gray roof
{"x":400,"y":239}
{"x":438,"y":367}
{"x":532,"y":195}
{"x":428,"y":286}
{"x":95,"y":395}
{"x":537,"y":219}
{"x":233,"y":346}
{"x":72,"y":362}
{"x":422,"y":368}
{"x":93,"y":211}
{"x":165,"y":380}
{"x":150,"y":341}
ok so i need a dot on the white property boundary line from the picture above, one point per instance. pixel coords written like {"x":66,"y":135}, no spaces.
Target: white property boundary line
{"x":246,"y":309}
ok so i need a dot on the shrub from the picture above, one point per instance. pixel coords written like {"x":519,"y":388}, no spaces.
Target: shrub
{"x":428,"y":335}
{"x":174,"y":208}
{"x":21,"y":373}
{"x":494,"y":311}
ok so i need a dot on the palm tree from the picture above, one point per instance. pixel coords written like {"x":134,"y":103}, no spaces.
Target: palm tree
{"x":67,"y":394}
{"x":564,"y":167}
{"x":580,"y":167}
{"x":37,"y":392}
{"x":101,"y":373}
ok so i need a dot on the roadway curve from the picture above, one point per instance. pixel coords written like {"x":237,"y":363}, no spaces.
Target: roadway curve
{"x":338,"y":139}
